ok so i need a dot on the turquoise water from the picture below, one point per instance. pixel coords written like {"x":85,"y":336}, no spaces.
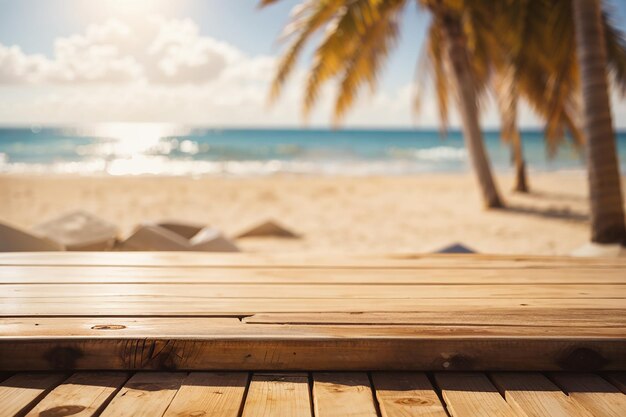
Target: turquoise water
{"x":129,"y":149}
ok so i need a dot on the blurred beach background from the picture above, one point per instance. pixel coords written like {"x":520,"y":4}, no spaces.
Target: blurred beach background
{"x":143,"y":111}
{"x":162,"y":149}
{"x":343,"y":191}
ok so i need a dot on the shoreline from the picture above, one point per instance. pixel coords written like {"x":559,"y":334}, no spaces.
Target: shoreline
{"x":336,"y":214}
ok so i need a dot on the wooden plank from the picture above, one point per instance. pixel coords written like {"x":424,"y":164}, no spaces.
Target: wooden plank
{"x":472,"y":394}
{"x":145,"y":394}
{"x":314,"y":353}
{"x":129,"y":305}
{"x":210,"y":394}
{"x":21,"y":392}
{"x":534,"y":395}
{"x":358,"y":325}
{"x":216,"y":344}
{"x":592,"y":392}
{"x":343,"y":394}
{"x":81,"y":395}
{"x":221,"y":327}
{"x":101,"y":292}
{"x":278,"y":395}
{"x":113,"y":275}
{"x":455,"y":316}
{"x":406,"y":394}
{"x":248,"y":260}
{"x":618,"y":379}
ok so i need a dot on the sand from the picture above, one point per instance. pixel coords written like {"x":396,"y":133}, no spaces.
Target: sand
{"x":333,"y":214}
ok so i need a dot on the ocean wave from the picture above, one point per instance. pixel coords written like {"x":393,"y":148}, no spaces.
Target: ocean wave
{"x":161,"y":165}
{"x":437,"y":153}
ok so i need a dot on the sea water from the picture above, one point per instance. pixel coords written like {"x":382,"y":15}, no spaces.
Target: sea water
{"x":158,"y":149}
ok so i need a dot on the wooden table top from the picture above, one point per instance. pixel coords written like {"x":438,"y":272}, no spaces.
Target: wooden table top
{"x":323,"y":394}
{"x":244,"y":312}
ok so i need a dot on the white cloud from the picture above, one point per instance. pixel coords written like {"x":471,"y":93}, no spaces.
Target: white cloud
{"x":166,"y":71}
{"x":154,"y":50}
{"x":17,"y":67}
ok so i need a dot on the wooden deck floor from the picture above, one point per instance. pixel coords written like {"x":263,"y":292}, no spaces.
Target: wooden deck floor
{"x":173,"y":311}
{"x":356,"y":394}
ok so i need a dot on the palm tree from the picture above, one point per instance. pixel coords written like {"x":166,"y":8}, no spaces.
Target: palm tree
{"x":607,"y":210}
{"x":359,"y":35}
{"x":527,"y":45}
{"x":532,"y":60}
{"x":535,"y":58}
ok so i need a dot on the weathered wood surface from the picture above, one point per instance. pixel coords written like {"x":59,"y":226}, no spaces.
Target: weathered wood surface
{"x":532,"y":394}
{"x":81,"y":395}
{"x":145,"y":394}
{"x":281,"y":395}
{"x":472,"y":394}
{"x":339,"y":394}
{"x":218,"y":394}
{"x":593,"y":392}
{"x":406,"y":394}
{"x":20,"y":392}
{"x":329,"y":394}
{"x":166,"y":311}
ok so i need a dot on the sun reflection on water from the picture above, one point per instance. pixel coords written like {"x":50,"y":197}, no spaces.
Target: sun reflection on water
{"x":133,"y":148}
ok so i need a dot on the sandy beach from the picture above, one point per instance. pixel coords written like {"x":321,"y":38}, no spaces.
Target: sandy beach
{"x":333,"y":214}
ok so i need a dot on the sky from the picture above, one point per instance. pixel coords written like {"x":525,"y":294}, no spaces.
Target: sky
{"x":199,"y":62}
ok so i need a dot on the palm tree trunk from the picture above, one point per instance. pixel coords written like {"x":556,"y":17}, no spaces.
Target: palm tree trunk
{"x":463,"y":82}
{"x":521,"y":183}
{"x":607,"y":210}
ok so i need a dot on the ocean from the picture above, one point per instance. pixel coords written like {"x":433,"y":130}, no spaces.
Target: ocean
{"x":158,"y":149}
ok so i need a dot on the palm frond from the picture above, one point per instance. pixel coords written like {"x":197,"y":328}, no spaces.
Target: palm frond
{"x":264,"y":3}
{"x":343,"y":35}
{"x":365,"y":62}
{"x":505,"y":91}
{"x":310,"y":17}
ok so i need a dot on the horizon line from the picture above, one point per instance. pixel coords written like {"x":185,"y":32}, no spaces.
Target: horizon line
{"x":390,"y":128}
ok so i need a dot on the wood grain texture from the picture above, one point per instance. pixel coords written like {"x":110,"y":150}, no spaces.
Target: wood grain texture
{"x":81,"y":395}
{"x":145,"y":394}
{"x":132,"y":305}
{"x":278,"y":395}
{"x":191,"y":311}
{"x":455,"y":316}
{"x":267,"y":260}
{"x":534,"y":395}
{"x":174,"y":274}
{"x":209,"y":394}
{"x":211,"y":328}
{"x":226,"y":343}
{"x":406,"y":394}
{"x":184,"y":293}
{"x":592,"y":392}
{"x":389,"y":394}
{"x":472,"y":394}
{"x":19,"y":393}
{"x":343,"y":394}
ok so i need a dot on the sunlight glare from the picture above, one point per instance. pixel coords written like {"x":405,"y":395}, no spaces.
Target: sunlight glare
{"x":133,"y":148}
{"x":135,"y":8}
